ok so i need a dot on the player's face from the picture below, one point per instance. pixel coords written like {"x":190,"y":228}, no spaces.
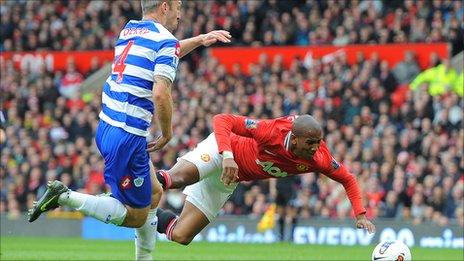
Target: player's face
{"x":306,"y":146}
{"x":173,"y":15}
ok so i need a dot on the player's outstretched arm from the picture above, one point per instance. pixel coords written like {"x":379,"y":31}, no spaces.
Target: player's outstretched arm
{"x":163,"y":103}
{"x":189,"y":44}
{"x":340,"y":174}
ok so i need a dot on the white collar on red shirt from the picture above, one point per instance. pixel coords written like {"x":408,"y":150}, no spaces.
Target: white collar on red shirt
{"x":287,"y":141}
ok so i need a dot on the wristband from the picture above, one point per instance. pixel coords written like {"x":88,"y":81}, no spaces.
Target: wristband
{"x":227,"y":154}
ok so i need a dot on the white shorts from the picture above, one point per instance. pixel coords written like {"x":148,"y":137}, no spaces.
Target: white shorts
{"x":209,"y":194}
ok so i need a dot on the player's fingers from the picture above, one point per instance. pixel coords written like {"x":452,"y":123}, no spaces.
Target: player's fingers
{"x":227,"y":182}
{"x":225,"y":33}
{"x":154,"y":148}
{"x":371,"y":228}
{"x":223,"y":39}
{"x":151,"y":146}
{"x":220,"y":36}
{"x":158,"y":146}
{"x":230,"y":176}
{"x":225,"y":174}
{"x":235,"y":174}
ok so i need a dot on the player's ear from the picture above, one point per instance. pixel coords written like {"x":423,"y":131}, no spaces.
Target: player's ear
{"x":165,"y":6}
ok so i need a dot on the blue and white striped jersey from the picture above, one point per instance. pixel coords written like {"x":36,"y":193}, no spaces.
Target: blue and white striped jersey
{"x":144,"y":49}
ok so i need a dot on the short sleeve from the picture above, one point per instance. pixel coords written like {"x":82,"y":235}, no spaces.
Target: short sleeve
{"x":167,"y":59}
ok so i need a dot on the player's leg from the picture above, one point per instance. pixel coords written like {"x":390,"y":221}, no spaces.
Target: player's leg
{"x":104,"y":208}
{"x":127,"y":171}
{"x":192,"y":220}
{"x":205,"y":198}
{"x":180,"y":175}
{"x":204,"y":201}
{"x":145,"y":236}
{"x":184,"y":228}
{"x":205,"y":158}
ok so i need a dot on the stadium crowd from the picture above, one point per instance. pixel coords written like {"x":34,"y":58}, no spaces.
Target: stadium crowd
{"x":407,"y":153}
{"x":90,"y":25}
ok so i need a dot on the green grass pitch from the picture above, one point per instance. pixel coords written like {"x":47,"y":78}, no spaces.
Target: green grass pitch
{"x":29,"y":248}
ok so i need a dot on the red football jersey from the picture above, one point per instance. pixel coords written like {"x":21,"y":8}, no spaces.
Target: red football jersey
{"x":261,"y":151}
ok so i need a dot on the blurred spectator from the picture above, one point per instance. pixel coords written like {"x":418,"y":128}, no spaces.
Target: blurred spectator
{"x":389,"y":209}
{"x":406,"y":70}
{"x":439,"y":80}
{"x":71,"y":82}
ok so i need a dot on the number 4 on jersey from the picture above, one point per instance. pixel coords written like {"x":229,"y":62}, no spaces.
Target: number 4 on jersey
{"x":119,"y":65}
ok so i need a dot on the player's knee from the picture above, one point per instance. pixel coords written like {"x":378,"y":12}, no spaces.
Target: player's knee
{"x":134,"y":222}
{"x":184,"y":240}
{"x":135,"y":218}
{"x":178,"y":181}
{"x":181,"y":238}
{"x":140,"y":221}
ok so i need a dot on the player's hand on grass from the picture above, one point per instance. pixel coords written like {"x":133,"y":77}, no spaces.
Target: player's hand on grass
{"x":214,"y":36}
{"x":229,"y":171}
{"x":158,"y":143}
{"x":363,"y":223}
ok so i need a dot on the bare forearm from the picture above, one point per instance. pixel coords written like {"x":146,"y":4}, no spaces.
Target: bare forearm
{"x":189,"y":44}
{"x":163,"y":104}
{"x":164,"y":113}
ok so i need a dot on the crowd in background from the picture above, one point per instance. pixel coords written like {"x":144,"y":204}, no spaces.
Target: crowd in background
{"x":89,"y":25}
{"x":407,"y":153}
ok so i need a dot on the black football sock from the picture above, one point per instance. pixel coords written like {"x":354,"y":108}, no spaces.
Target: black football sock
{"x":165,"y":219}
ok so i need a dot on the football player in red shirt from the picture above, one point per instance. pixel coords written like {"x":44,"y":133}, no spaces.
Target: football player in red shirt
{"x":242,"y":149}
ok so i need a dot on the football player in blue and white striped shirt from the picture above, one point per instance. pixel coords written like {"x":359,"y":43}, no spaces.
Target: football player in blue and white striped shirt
{"x":144,"y":68}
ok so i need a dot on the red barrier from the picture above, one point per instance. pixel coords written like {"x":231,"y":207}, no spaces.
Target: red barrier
{"x":393,"y":53}
{"x":56,"y":60}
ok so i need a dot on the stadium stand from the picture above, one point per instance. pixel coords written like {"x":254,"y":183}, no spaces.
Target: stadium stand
{"x":407,"y":153}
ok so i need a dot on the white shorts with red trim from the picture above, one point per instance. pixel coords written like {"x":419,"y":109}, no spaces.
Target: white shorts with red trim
{"x":209,"y":194}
